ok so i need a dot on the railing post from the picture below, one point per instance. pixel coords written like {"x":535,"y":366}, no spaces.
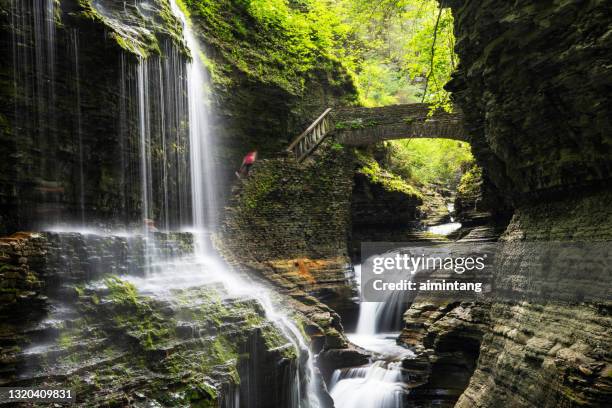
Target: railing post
{"x":305,"y":143}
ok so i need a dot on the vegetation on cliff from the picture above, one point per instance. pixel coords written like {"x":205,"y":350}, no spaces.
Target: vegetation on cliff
{"x":427,"y":161}
{"x":376,"y":174}
{"x":395,"y":52}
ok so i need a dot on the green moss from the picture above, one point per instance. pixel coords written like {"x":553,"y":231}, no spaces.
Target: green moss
{"x":135,"y":33}
{"x":275,"y":340}
{"x":258,"y":188}
{"x":120,"y":291}
{"x":389,"y":181}
{"x":271,"y":41}
{"x":471,"y":182}
{"x":356,"y":124}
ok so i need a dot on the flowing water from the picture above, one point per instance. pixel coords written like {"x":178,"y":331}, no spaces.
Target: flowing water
{"x":168,"y":98}
{"x":446,"y":228}
{"x":381,"y":383}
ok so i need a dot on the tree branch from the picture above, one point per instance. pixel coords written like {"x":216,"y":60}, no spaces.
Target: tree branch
{"x":433,"y":53}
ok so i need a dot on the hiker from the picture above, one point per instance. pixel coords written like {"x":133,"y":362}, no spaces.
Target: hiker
{"x":150,"y":225}
{"x":247,"y":163}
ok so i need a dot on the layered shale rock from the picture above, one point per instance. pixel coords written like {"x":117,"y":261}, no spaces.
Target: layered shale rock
{"x":534,"y":86}
{"x":289,"y":224}
{"x":116,"y":347}
{"x":446,"y":338}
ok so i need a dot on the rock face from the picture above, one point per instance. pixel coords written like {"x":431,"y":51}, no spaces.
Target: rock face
{"x":446,"y":338}
{"x":82,"y":81}
{"x":384,"y":207}
{"x":534,"y":86}
{"x":289,"y":224}
{"x":115,"y":347}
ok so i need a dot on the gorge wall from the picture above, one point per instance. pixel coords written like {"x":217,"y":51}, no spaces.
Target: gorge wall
{"x":534,"y":85}
{"x":83,"y":83}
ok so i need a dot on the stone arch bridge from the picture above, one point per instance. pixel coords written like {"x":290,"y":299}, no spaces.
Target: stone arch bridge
{"x":358,"y":126}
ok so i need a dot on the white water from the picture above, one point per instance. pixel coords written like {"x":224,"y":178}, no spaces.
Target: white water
{"x":377,"y":385}
{"x":380,"y":383}
{"x":207,"y":267}
{"x":447,"y":228}
{"x":202,"y":163}
{"x":444,"y":229}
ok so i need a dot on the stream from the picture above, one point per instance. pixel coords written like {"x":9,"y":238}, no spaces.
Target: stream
{"x":379,"y":384}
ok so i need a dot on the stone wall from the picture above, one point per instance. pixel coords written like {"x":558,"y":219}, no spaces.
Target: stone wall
{"x":287,"y":210}
{"x":290,"y":223}
{"x":534,"y":85}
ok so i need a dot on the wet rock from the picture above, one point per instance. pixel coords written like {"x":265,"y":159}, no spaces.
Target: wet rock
{"x":333,"y":359}
{"x":530,"y":133}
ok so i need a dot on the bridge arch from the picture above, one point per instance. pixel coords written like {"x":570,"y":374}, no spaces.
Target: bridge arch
{"x":359,"y":126}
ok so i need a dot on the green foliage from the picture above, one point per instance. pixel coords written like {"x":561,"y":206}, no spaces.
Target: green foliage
{"x":470,"y":183}
{"x":388,"y":180}
{"x":427,"y":161}
{"x":386,"y":47}
{"x":276,"y":41}
{"x":396,"y":58}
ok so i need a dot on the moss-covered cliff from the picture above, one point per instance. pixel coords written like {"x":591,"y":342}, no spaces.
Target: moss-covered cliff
{"x":68,"y":321}
{"x":272,"y":74}
{"x":74,"y":80}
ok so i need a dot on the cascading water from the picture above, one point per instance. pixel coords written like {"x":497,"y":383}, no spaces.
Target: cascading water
{"x":205,"y":207}
{"x":381,"y":383}
{"x":166,"y":158}
{"x":78,"y":131}
{"x":378,"y":385}
{"x":446,"y":228}
{"x":34,"y":73}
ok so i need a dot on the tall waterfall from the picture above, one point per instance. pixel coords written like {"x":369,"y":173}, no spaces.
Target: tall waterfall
{"x":165,"y":161}
{"x":201,"y":146}
{"x":204,"y":207}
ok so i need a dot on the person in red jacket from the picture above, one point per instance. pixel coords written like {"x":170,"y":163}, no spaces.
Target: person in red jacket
{"x":247,"y":163}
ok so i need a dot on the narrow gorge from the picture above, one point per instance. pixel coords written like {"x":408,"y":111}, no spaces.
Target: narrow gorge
{"x":142,"y":266}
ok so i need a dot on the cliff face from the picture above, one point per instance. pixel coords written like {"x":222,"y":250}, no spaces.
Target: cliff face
{"x":115,"y":347}
{"x":290,"y":222}
{"x":534,"y":81}
{"x":84,"y":82}
{"x":534,"y":84}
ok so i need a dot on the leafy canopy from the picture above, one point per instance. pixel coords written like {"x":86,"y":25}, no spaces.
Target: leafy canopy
{"x":397,"y":51}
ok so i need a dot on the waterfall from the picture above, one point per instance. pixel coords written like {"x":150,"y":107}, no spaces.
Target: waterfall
{"x":376,"y":317}
{"x":78,"y":131}
{"x":380,"y":383}
{"x":34,"y":73}
{"x":166,"y":158}
{"x":204,"y":209}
